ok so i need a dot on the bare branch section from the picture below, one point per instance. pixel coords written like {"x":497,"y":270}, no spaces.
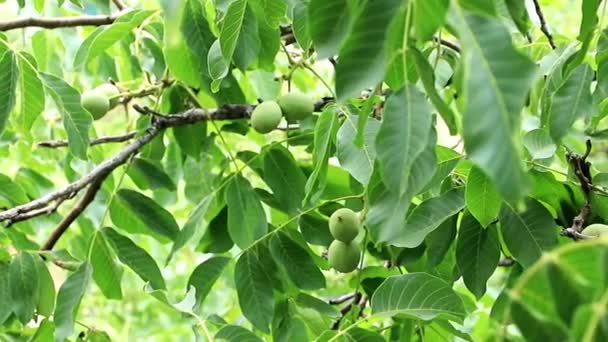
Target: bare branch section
{"x":51,"y":201}
{"x":84,"y":202}
{"x":543,"y":24}
{"x":96,"y":141}
{"x":59,"y":22}
{"x":120,"y":4}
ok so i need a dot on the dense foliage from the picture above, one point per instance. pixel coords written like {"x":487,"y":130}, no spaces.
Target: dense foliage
{"x":299,"y":170}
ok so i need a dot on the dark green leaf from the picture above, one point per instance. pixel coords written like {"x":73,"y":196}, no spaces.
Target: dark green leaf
{"x":32,"y":94}
{"x":76,"y":119}
{"x":155,"y":217}
{"x":205,"y":275}
{"x":496,"y":79}
{"x":46,"y":290}
{"x":403,"y":136}
{"x":428,"y":17}
{"x":477,"y":252}
{"x":106,"y":272}
{"x":254,"y":289}
{"x":284,"y":177}
{"x":482,"y":199}
{"x":154,"y":175}
{"x":23,"y":279}
{"x":235,"y":333}
{"x":362,"y":56}
{"x":528,"y":233}
{"x":136,"y":258}
{"x":296,"y":261}
{"x":328,"y":22}
{"x":68,"y":301}
{"x":427,"y":217}
{"x":246,"y":216}
{"x":8,"y":85}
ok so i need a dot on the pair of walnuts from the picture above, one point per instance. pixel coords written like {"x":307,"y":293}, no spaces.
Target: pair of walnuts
{"x":294,"y":106}
{"x":344,"y":253}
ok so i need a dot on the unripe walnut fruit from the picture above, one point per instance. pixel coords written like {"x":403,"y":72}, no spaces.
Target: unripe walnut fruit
{"x":343,"y":257}
{"x":266,"y":116}
{"x":111,"y":93}
{"x":344,"y":225}
{"x":596,"y":229}
{"x":296,"y":106}
{"x":95,"y":102}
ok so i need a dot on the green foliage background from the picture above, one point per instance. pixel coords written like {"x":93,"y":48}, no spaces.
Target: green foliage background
{"x":454,"y":157}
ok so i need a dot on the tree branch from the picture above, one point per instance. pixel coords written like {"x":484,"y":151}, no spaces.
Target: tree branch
{"x":119,"y":4}
{"x":96,"y":141}
{"x":50,"y":202}
{"x":59,"y":22}
{"x":63,"y":226}
{"x":543,"y":24}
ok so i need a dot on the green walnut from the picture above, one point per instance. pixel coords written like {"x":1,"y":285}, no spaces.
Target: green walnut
{"x":344,"y":225}
{"x":266,"y":116}
{"x":296,"y":106}
{"x":596,"y":229}
{"x":110,"y":91}
{"x":343,"y":257}
{"x":95,"y":102}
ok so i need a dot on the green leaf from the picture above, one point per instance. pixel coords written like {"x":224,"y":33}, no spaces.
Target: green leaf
{"x":155,"y":177}
{"x":427,"y":217}
{"x":496,"y":79}
{"x":46,"y":290}
{"x":284,"y":177}
{"x":5,"y":292}
{"x":403,"y":136}
{"x":76,"y":119}
{"x":216,"y":238}
{"x":570,"y":102}
{"x":45,"y":331}
{"x":325,"y":133}
{"x":274,"y":11}
{"x":519,"y":14}
{"x":68,"y":301}
{"x":427,"y":76}
{"x":482,"y":199}
{"x":32,"y":94}
{"x":218,"y":68}
{"x":315,"y":230}
{"x":155,"y":217}
{"x":387,"y":209}
{"x":328,"y":22}
{"x":23,"y":279}
{"x":136,"y":258}
{"x":477,"y":253}
{"x":198,"y":36}
{"x":246,"y":216}
{"x":301,"y":30}
{"x":254,"y":289}
{"x":296,"y":261}
{"x":11,"y":191}
{"x":428,"y":17}
{"x":418,"y":295}
{"x":439,"y":241}
{"x":539,"y":144}
{"x":358,"y":161}
{"x":527,"y":234}
{"x":232,"y":28}
{"x":307,"y":301}
{"x":235,"y":333}
{"x":205,"y":275}
{"x":248,"y":43}
{"x":106,"y":272}
{"x":104,"y":37}
{"x":447,"y":159}
{"x":193,"y":226}
{"x":362,"y":56}
{"x":8,"y":85}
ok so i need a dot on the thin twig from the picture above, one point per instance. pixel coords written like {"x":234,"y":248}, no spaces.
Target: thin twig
{"x":342,"y":299}
{"x":60,"y":22}
{"x":448,"y":43}
{"x":84,"y":202}
{"x":96,"y":141}
{"x":506,"y":262}
{"x":543,"y":24}
{"x":119,"y":4}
